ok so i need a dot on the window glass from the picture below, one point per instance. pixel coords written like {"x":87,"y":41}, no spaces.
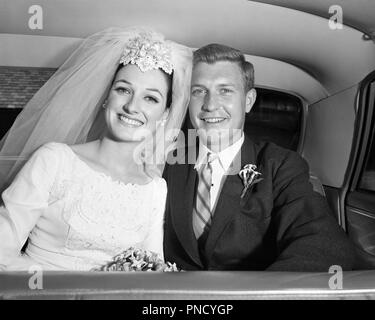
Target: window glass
{"x":275,"y":117}
{"x":367,"y":181}
{"x":17,"y":86}
{"x":7,"y":117}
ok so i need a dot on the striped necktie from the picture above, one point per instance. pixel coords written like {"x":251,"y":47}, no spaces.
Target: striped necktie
{"x":202,"y":214}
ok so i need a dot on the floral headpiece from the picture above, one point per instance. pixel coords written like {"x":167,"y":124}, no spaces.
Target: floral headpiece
{"x":148,"y":52}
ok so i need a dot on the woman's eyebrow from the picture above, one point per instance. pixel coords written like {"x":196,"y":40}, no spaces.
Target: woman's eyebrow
{"x":123,"y":80}
{"x":197,"y":85}
{"x":155,"y":90}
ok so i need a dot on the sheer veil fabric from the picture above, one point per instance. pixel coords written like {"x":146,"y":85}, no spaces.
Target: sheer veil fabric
{"x":68,"y":107}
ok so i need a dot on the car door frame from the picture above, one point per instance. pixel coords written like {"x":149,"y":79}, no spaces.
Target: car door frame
{"x":353,"y":201}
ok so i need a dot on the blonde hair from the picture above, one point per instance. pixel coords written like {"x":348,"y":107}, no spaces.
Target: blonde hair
{"x":214,"y":52}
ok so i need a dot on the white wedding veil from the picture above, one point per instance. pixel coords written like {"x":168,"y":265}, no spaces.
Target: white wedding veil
{"x":68,"y":107}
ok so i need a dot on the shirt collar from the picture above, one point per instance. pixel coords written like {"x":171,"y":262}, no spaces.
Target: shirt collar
{"x":225,"y":156}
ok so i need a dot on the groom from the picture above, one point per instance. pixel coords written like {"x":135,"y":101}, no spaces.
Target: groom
{"x":212,"y":221}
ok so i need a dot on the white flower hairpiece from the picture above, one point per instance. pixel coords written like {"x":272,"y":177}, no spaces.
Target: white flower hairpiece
{"x":249,"y":177}
{"x":148,"y":53}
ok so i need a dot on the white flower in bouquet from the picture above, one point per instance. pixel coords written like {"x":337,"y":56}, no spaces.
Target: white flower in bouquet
{"x":134,"y":259}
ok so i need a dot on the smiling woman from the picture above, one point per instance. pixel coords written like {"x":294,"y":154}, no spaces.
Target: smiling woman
{"x":137,"y":100}
{"x":82,"y":204}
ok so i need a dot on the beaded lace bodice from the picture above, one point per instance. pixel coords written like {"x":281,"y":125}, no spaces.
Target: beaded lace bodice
{"x":85,"y":217}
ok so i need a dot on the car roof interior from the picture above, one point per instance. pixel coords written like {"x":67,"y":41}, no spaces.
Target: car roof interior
{"x":296,"y":34}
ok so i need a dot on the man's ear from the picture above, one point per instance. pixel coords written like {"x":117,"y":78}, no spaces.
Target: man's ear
{"x":251,"y":96}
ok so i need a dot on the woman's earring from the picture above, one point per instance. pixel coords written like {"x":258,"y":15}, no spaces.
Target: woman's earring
{"x":162,"y":123}
{"x":104,"y":105}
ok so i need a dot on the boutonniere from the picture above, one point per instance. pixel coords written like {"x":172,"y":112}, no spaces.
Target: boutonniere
{"x":249,"y":177}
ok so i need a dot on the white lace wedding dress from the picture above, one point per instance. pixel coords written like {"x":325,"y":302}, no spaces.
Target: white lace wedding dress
{"x":75,"y":217}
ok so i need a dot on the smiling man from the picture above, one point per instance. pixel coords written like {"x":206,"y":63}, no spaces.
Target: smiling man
{"x":221,"y":84}
{"x":241,"y":205}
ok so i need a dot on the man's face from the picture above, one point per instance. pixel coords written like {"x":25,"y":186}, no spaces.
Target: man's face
{"x":219,"y":103}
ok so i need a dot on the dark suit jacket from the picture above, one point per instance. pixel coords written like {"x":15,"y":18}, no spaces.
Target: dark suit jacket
{"x":280,"y":224}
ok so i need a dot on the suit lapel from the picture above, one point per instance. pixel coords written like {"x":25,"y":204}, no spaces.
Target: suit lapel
{"x":229,"y":203}
{"x":183,"y":196}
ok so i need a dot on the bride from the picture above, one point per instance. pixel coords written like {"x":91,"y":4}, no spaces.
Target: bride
{"x":93,"y":187}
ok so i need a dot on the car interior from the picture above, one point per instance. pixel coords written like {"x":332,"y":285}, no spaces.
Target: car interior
{"x":314,"y":75}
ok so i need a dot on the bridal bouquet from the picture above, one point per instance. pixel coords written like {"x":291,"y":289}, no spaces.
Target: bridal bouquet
{"x":134,"y":259}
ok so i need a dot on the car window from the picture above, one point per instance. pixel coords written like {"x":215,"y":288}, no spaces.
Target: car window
{"x":17,"y":86}
{"x":275,"y":117}
{"x":367,"y":179}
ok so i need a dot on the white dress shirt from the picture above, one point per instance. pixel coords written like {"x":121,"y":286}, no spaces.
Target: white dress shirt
{"x":220,"y":166}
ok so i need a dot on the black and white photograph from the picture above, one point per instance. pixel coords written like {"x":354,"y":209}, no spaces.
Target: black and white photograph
{"x":201,"y":152}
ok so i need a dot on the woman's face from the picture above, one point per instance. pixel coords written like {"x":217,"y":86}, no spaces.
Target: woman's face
{"x":136,"y":102}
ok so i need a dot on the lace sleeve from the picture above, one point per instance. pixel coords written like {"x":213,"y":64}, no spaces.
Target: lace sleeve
{"x":154,"y":240}
{"x":25,"y":199}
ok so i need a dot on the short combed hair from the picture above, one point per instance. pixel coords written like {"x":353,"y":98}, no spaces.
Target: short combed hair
{"x":214,"y":52}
